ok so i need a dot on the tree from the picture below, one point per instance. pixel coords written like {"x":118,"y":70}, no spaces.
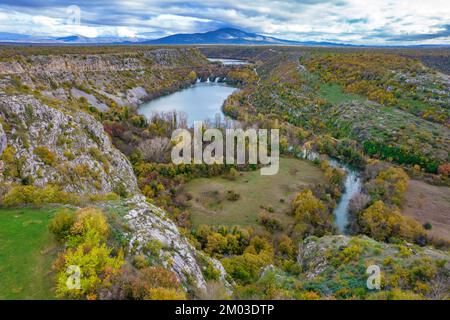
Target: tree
{"x":383,"y":223}
{"x":444,"y":169}
{"x":311,"y":214}
{"x":86,"y":250}
{"x":155,"y":150}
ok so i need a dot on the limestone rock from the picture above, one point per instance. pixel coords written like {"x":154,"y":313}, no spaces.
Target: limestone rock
{"x":83,"y":160}
{"x":149,"y":223}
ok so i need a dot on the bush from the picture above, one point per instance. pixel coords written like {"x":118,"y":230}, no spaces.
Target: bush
{"x":233,"y":174}
{"x":87,"y":249}
{"x":61,"y":224}
{"x":152,"y":283}
{"x":140,"y":261}
{"x":232,"y":196}
{"x":10,"y":164}
{"x":165,"y":294}
{"x":48,"y":157}
{"x":427,"y":226}
{"x":90,"y":226}
{"x":270,"y":223}
{"x":20,"y":195}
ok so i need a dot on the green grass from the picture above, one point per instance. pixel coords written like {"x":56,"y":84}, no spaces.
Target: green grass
{"x":257,"y":194}
{"x":334,"y":94}
{"x":27,"y":250}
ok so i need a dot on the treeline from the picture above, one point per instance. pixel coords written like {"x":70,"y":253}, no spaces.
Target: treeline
{"x":399,"y":155}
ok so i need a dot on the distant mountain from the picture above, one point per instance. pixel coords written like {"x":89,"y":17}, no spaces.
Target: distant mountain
{"x":73,"y":39}
{"x":223,"y":36}
{"x":228,"y":36}
{"x":99,"y":40}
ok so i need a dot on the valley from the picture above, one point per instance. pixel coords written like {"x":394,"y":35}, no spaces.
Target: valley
{"x":86,"y":176}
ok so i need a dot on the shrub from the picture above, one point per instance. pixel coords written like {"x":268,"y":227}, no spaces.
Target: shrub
{"x":140,"y":261}
{"x":389,"y":186}
{"x":233,"y":174}
{"x":427,"y":226}
{"x":61,"y":224}
{"x":87,"y":249}
{"x":121,"y":190}
{"x":150,"y":283}
{"x":232,"y":196}
{"x":97,"y":267}
{"x":48,"y":157}
{"x":10,"y":164}
{"x":444,"y":169}
{"x":20,"y":195}
{"x":90,"y":226}
{"x":165,"y":294}
{"x":216,"y":244}
{"x":247,"y":267}
{"x":270,"y":223}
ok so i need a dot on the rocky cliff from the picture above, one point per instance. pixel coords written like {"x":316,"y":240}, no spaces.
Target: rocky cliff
{"x":105,"y":80}
{"x":69,"y":149}
{"x":54,"y":141}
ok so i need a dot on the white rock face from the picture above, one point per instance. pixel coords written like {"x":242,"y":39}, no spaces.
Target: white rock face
{"x":149,"y":223}
{"x":86,"y":162}
{"x":90,"y":98}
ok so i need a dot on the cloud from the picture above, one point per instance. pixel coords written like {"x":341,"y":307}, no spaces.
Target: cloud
{"x":360,"y":22}
{"x":443,"y":33}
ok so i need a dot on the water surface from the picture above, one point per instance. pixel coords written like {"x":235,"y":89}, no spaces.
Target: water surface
{"x":199,"y":102}
{"x":229,"y":62}
{"x":352,"y":185}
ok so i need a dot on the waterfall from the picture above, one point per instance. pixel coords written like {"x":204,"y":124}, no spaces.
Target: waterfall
{"x":199,"y":80}
{"x":217,"y":80}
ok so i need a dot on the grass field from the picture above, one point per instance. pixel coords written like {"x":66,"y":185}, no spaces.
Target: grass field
{"x":427,"y":203}
{"x":334,"y":94}
{"x":270,"y":194}
{"x":27,"y":250}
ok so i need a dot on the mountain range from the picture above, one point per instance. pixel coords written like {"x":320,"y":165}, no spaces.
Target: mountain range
{"x":228,"y":36}
{"x":223,"y":36}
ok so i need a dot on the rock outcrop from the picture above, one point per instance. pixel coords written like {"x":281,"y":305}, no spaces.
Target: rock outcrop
{"x":63,"y":147}
{"x":3,"y":139}
{"x":150,"y":223}
{"x":316,"y":255}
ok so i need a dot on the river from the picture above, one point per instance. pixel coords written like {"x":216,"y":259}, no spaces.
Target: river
{"x":352,"y":186}
{"x":203,"y":101}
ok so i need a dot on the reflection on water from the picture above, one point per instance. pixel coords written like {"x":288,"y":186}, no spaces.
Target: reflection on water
{"x":201,"y":102}
{"x":229,"y":62}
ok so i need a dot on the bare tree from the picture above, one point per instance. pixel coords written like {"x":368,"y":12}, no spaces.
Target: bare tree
{"x":155,"y":150}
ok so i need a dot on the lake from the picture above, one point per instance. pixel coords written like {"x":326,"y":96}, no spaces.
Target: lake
{"x":229,"y":62}
{"x":199,"y":102}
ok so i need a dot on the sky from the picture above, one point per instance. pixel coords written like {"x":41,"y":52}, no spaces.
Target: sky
{"x":376,"y":22}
